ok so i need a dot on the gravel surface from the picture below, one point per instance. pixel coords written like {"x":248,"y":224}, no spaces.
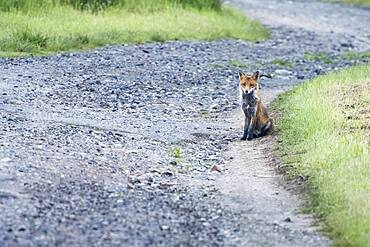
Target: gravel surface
{"x":113,"y":147}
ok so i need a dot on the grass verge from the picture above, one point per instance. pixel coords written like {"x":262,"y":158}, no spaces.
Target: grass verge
{"x":63,"y":28}
{"x":354,"y":2}
{"x":324,"y":135}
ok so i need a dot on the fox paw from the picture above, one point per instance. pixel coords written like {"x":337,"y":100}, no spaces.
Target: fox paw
{"x":249,"y":138}
{"x":243,"y":138}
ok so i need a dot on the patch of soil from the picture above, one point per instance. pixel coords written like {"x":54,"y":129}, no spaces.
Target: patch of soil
{"x":354,"y":102}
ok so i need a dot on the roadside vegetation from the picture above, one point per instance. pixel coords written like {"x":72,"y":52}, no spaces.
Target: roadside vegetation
{"x":354,"y":2}
{"x":330,"y":58}
{"x":45,"y":26}
{"x":324,"y":136}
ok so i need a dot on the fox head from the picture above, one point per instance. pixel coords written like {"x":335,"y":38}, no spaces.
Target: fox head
{"x":249,"y":83}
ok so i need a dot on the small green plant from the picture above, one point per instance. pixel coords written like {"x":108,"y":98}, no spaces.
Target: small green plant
{"x":176,"y":152}
{"x":158,"y":37}
{"x":237,"y":63}
{"x":204,"y":114}
{"x":33,"y":38}
{"x":217,"y":66}
{"x":282,"y":63}
{"x":319,"y":57}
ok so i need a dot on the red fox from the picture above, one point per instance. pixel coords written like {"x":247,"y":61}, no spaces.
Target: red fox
{"x":257,"y":122}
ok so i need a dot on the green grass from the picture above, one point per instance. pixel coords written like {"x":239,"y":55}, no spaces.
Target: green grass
{"x":100,"y":5}
{"x":328,"y":59}
{"x":29,"y":29}
{"x":321,"y":57}
{"x":282,"y":63}
{"x":324,"y":134}
{"x":237,"y":63}
{"x":352,"y":55}
{"x":176,"y":152}
{"x":354,"y":2}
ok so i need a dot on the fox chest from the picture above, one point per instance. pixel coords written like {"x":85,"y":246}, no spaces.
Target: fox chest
{"x":249,"y":104}
{"x":249,"y":109}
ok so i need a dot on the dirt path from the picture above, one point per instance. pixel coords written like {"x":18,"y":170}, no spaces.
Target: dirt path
{"x":252,"y":186}
{"x":113,"y":147}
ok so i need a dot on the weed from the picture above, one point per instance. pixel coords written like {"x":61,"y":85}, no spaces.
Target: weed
{"x":352,"y":55}
{"x":238,"y":64}
{"x":217,"y":66}
{"x":33,"y":38}
{"x":282,"y":63}
{"x":319,"y":57}
{"x":176,"y":152}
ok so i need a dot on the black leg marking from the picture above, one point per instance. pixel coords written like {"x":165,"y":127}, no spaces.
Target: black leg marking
{"x":245,"y":133}
{"x":250,"y":129}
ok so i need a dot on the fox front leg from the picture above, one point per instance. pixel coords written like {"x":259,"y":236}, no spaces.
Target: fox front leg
{"x":251,"y":123}
{"x":250,"y":129}
{"x":246,"y":124}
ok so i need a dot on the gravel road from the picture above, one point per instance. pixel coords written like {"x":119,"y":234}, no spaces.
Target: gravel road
{"x":113,"y":147}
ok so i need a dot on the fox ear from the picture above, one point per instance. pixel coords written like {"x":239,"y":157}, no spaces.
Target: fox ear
{"x":256,"y":75}
{"x":241,"y":74}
